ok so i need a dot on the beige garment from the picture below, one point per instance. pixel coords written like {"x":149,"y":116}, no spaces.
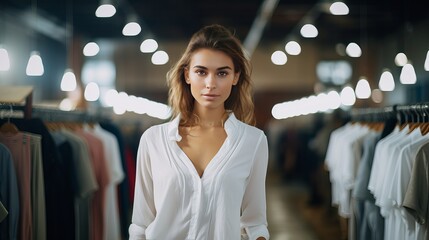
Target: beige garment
{"x":38,"y":204}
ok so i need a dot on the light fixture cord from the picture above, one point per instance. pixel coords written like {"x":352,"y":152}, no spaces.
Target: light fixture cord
{"x":69,"y":33}
{"x":32,"y":33}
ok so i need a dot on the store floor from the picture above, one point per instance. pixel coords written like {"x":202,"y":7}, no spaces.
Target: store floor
{"x":290,"y":217}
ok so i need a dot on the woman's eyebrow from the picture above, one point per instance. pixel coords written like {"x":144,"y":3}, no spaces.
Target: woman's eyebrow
{"x":226,"y":67}
{"x":220,"y":68}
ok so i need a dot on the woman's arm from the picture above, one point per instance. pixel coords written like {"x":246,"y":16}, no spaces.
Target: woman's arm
{"x":144,"y":207}
{"x":253,"y":218}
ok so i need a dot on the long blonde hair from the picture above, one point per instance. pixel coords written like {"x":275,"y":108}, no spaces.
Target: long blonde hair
{"x":218,"y":38}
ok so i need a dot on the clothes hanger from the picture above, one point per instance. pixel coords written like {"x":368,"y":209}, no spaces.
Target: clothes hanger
{"x":414,"y":123}
{"x":424,"y":129}
{"x":403,"y":119}
{"x":9,"y":127}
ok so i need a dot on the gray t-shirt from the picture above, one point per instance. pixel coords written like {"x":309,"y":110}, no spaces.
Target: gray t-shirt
{"x":369,"y":223}
{"x":416,"y":198}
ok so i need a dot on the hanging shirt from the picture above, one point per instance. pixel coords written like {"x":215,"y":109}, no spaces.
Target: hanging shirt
{"x":9,"y":195}
{"x":112,"y":230}
{"x":19,"y":146}
{"x":37,"y":188}
{"x":99,"y":167}
{"x":54,"y":177}
{"x":173,"y":202}
{"x":400,"y":183}
{"x":85,"y":183}
{"x":416,"y":201}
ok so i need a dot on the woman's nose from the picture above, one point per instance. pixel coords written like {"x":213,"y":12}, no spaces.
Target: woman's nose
{"x":210,"y":82}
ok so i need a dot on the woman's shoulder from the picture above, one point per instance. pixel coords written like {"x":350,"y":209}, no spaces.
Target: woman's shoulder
{"x":155,"y":130}
{"x":253,"y":130}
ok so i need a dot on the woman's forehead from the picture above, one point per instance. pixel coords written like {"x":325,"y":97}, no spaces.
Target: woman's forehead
{"x":210,"y":58}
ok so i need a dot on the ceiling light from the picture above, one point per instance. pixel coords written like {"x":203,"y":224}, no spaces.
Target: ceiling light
{"x":363,"y":90}
{"x":339,"y":8}
{"x":120,"y":106}
{"x":401,"y":59}
{"x":353,"y":50}
{"x":427,"y":61}
{"x":279,"y":58}
{"x":334,"y":99}
{"x":408,"y":74}
{"x":309,"y":31}
{"x":4,"y":60}
{"x":386,"y":83}
{"x":105,"y":10}
{"x":68,"y":82}
{"x":35,"y":65}
{"x":348,"y":97}
{"x":293,"y":48}
{"x":159,"y":58}
{"x":91,"y":49}
{"x":131,"y":29}
{"x":92,"y":92}
{"x":322,"y":102}
{"x":148,"y":46}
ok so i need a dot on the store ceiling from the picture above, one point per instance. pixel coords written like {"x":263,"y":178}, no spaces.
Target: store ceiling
{"x":178,"y":19}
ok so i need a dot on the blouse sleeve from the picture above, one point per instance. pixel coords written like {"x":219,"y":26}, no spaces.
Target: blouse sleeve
{"x":144,"y":207}
{"x":253,"y":218}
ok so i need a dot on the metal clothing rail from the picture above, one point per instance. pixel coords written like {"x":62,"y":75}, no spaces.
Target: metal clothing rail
{"x":418,"y":112}
{"x":54,"y":114}
{"x":373,"y":114}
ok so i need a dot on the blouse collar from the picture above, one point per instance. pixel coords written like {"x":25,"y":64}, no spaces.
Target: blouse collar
{"x":173,"y":127}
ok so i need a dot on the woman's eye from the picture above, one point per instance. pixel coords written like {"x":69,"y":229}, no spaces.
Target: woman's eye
{"x":200,"y":72}
{"x":223,"y":74}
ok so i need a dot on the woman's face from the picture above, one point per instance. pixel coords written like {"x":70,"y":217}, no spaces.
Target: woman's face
{"x":211,"y":75}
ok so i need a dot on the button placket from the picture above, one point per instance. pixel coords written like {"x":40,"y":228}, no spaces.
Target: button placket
{"x":196,"y":204}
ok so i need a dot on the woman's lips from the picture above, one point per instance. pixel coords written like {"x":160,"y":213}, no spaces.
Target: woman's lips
{"x":210,"y":96}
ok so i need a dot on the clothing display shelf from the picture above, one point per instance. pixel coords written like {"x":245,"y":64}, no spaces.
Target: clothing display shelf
{"x":13,"y":96}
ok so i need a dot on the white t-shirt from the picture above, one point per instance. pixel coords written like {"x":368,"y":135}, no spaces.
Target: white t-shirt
{"x":342,"y":159}
{"x":227,"y":202}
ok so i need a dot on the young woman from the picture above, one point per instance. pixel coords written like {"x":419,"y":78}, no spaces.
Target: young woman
{"x":202,"y":175}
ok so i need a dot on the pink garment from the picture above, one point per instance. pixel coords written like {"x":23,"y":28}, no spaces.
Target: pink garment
{"x":19,"y":146}
{"x":99,"y":166}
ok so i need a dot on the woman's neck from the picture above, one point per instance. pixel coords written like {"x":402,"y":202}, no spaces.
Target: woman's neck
{"x":209,"y":119}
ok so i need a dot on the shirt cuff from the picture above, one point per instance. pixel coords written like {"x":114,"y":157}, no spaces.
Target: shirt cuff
{"x":136,"y":232}
{"x":252,"y":233}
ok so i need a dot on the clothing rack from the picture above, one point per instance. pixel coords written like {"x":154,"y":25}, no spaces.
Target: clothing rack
{"x":20,"y":99}
{"x":373,"y":114}
{"x":54,"y":114}
{"x":57,"y":115}
{"x":411,"y":113}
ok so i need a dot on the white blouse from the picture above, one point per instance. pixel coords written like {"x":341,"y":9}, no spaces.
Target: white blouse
{"x":172,"y":202}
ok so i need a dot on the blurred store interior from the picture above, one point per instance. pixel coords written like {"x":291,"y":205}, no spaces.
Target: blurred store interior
{"x":315,"y":69}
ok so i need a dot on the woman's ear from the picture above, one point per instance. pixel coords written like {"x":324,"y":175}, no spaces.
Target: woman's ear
{"x":186,"y":75}
{"x":236,"y":77}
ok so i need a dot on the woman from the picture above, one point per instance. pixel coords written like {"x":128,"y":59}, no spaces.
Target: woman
{"x":202,"y":175}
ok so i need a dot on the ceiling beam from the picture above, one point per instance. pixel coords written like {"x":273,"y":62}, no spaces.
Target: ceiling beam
{"x":258,"y":26}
